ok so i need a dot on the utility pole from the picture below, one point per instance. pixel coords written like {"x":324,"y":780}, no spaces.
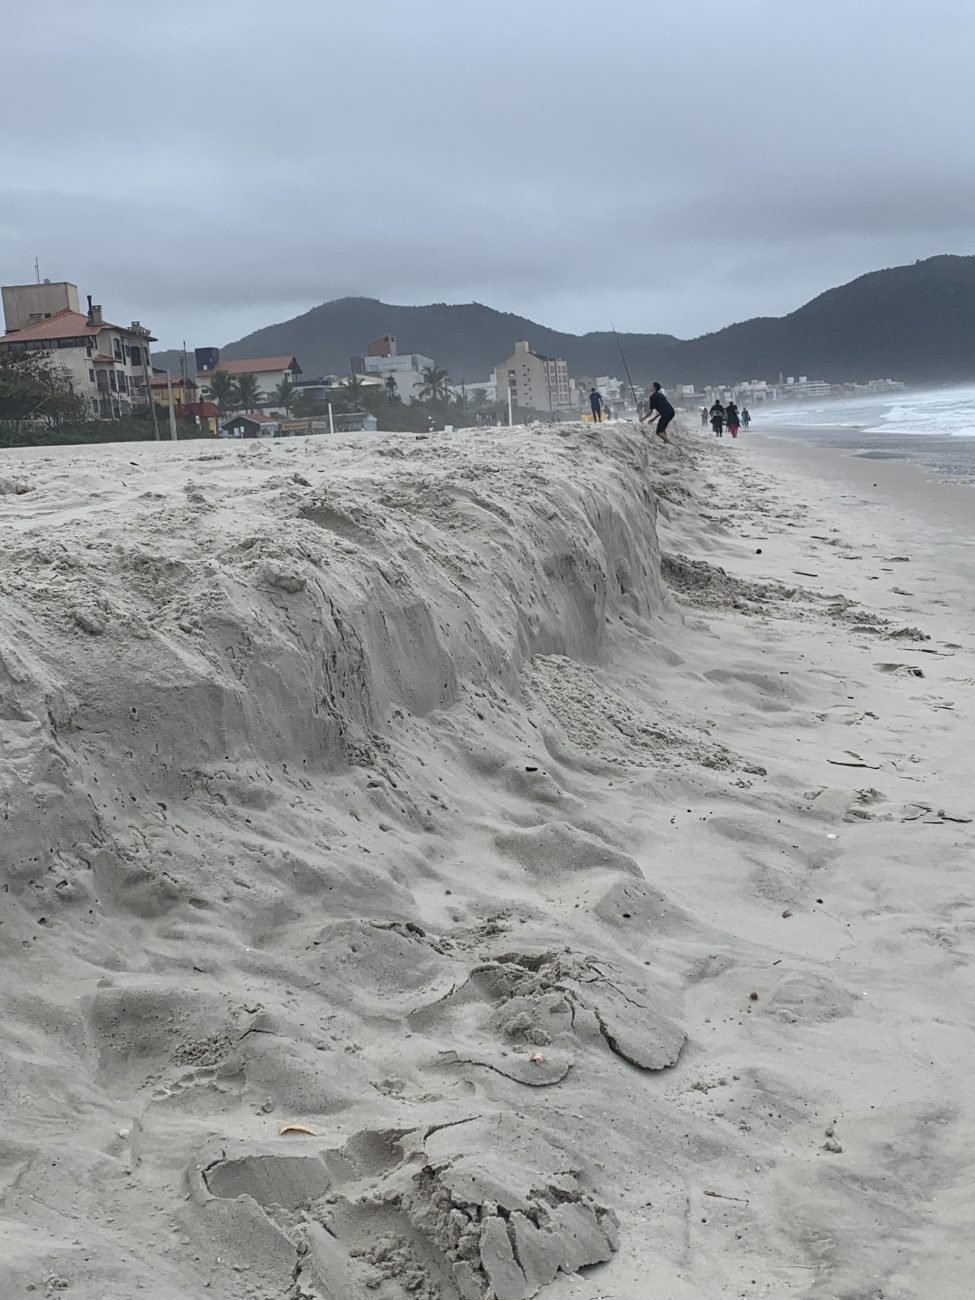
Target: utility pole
{"x":172,"y":409}
{"x":331,"y":422}
{"x":145,"y":377}
{"x":37,"y":270}
{"x":510,"y":413}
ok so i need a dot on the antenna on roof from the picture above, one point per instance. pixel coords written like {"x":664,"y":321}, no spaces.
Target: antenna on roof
{"x":37,"y":270}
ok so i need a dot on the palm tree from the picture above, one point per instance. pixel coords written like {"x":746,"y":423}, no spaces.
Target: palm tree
{"x":284,"y":395}
{"x":247,"y":392}
{"x":432,"y":384}
{"x":392,"y":392}
{"x":222,"y":391}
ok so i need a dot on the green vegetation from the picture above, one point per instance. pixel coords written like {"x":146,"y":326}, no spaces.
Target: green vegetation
{"x":248,"y":392}
{"x":36,"y":395}
{"x":222,"y":392}
{"x":38,"y":408}
{"x":433,"y":385}
{"x":284,"y":396}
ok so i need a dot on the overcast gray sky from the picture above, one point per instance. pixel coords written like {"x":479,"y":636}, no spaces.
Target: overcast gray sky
{"x":211,"y":166}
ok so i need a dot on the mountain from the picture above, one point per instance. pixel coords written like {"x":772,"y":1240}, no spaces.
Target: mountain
{"x":468,"y":339}
{"x":914,"y":323}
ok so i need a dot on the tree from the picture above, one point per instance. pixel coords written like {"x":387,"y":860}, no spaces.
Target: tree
{"x":433,"y":385}
{"x":222,"y":391}
{"x":31,"y":389}
{"x":285,"y":394}
{"x":248,"y":392}
{"x":392,"y":392}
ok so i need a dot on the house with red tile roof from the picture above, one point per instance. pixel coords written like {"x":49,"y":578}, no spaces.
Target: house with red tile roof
{"x":268,"y":371}
{"x":107,"y":365}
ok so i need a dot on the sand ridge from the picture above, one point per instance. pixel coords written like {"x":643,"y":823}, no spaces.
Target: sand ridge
{"x":471,"y":801}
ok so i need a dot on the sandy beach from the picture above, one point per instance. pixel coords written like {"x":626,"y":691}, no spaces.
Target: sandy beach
{"x":485,"y":865}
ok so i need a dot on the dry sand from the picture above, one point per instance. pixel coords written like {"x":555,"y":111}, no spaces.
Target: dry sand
{"x":601,"y":906}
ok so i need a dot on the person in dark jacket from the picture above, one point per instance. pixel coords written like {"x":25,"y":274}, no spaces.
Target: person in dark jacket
{"x":717,"y":419}
{"x":732,"y":419}
{"x":746,"y":419}
{"x":596,"y":405}
{"x":664,"y":411}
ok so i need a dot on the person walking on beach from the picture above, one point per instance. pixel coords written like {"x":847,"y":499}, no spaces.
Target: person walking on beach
{"x":717,"y":418}
{"x":732,"y":419}
{"x":664,"y":411}
{"x":746,"y":419}
{"x":596,"y":405}
{"x":704,"y":417}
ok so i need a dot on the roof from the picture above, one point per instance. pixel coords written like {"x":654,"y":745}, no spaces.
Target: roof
{"x":204,"y":409}
{"x":103,"y":359}
{"x":253,"y":366}
{"x":160,"y":381}
{"x":254,"y":417}
{"x":63,"y":324}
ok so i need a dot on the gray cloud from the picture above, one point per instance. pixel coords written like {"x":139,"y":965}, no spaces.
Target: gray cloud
{"x":211,"y":168}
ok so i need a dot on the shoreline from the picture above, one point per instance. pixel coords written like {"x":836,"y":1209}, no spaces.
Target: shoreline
{"x":944,"y":457}
{"x":514,"y":810}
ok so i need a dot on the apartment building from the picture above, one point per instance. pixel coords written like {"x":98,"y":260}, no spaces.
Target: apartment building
{"x":107,"y":365}
{"x":534,"y":381}
{"x":383,"y":359}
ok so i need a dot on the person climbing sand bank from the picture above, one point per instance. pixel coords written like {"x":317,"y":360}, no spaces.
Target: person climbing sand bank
{"x":659,"y":405}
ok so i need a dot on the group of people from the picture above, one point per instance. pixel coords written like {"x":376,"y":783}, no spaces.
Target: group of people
{"x":720,"y":417}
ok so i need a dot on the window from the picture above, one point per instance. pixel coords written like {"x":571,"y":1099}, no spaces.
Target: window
{"x":117,"y":348}
{"x":91,"y":375}
{"x":136,"y":355}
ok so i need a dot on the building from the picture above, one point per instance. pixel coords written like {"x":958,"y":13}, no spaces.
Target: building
{"x":482,"y":390}
{"x":251,"y":424}
{"x":382,"y":359}
{"x":535,"y":382}
{"x":322,"y":389}
{"x":184,"y":390}
{"x":26,"y":304}
{"x":203,"y":414}
{"x":106,"y":365}
{"x":268,"y":371}
{"x":804,"y":387}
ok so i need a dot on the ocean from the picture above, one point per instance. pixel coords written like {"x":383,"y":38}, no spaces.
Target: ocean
{"x":935,"y":429}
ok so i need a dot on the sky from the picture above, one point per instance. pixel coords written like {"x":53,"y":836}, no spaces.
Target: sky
{"x":212,"y":166}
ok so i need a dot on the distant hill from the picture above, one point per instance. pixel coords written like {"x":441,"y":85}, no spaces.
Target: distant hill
{"x":468,"y":340}
{"x":915,"y":323}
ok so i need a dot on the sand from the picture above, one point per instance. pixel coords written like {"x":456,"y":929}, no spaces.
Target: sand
{"x":567,"y":837}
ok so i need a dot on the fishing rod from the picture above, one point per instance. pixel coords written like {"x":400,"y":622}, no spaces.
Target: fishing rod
{"x":619,"y":344}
